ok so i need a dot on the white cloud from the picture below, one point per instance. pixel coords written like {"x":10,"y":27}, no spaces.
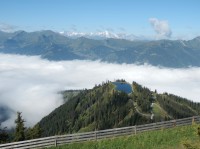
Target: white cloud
{"x":161,"y":27}
{"x":7,"y":28}
{"x":31,"y":84}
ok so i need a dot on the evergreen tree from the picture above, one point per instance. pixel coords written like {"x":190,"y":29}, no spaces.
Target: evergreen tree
{"x":28,"y":134}
{"x":20,"y":129}
{"x":33,"y":133}
{"x":3,"y":135}
{"x":37,"y":131}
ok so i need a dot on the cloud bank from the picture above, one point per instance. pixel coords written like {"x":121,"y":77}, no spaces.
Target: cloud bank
{"x":7,"y":27}
{"x":31,"y":84}
{"x":161,"y":27}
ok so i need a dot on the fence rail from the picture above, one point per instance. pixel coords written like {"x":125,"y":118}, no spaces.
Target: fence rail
{"x":96,"y":135}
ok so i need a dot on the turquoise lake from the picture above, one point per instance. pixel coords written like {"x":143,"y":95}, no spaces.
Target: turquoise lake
{"x":125,"y":87}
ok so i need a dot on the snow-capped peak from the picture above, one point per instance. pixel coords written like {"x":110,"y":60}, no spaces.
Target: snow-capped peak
{"x":100,"y":35}
{"x":103,"y":34}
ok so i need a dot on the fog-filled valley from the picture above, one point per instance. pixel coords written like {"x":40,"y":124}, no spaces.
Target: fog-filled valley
{"x":32,"y":85}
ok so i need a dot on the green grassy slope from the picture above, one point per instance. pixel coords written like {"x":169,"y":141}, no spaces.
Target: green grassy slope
{"x":174,"y":138}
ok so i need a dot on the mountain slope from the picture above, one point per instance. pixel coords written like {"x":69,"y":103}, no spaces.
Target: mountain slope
{"x":54,"y":46}
{"x":105,"y":107}
{"x":183,"y":137}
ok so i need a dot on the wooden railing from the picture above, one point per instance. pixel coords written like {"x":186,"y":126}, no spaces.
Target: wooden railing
{"x":97,"y":135}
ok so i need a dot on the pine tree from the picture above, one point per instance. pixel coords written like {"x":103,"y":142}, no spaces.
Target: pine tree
{"x":28,"y":134}
{"x":3,"y":135}
{"x":20,"y":129}
{"x":36,"y":131}
{"x":33,"y":133}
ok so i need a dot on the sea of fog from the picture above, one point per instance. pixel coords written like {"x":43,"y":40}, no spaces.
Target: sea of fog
{"x":30,"y":84}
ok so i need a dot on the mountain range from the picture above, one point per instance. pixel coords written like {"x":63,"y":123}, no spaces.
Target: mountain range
{"x":55,"y":46}
{"x":115,"y":104}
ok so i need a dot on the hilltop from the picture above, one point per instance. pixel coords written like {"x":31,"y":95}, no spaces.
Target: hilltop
{"x":54,"y":46}
{"x":109,"y":106}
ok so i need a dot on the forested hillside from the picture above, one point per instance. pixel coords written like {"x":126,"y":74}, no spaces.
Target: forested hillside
{"x":105,"y":107}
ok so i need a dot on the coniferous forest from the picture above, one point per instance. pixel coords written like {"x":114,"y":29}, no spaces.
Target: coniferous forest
{"x":105,"y":107}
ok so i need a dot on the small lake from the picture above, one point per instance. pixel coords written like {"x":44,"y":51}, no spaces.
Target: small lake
{"x":125,"y":87}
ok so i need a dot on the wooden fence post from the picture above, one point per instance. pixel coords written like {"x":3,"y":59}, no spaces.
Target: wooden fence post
{"x":55,"y":141}
{"x":193,"y":122}
{"x":95,"y":135}
{"x":135,"y":130}
{"x":175,"y":123}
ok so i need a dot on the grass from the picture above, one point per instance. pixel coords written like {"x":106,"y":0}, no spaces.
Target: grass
{"x":158,"y":111}
{"x":173,"y":138}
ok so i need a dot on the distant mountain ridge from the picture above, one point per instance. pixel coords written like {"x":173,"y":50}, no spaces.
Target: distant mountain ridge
{"x":54,"y":46}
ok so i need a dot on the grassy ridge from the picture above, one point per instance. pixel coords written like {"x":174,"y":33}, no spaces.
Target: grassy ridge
{"x":174,"y":138}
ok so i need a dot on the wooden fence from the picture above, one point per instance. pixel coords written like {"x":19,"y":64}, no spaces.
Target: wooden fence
{"x":97,"y":135}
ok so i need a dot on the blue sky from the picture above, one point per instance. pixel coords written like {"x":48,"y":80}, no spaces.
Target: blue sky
{"x":182,"y":17}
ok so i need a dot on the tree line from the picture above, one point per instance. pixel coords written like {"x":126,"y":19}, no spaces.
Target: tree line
{"x":21,"y":133}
